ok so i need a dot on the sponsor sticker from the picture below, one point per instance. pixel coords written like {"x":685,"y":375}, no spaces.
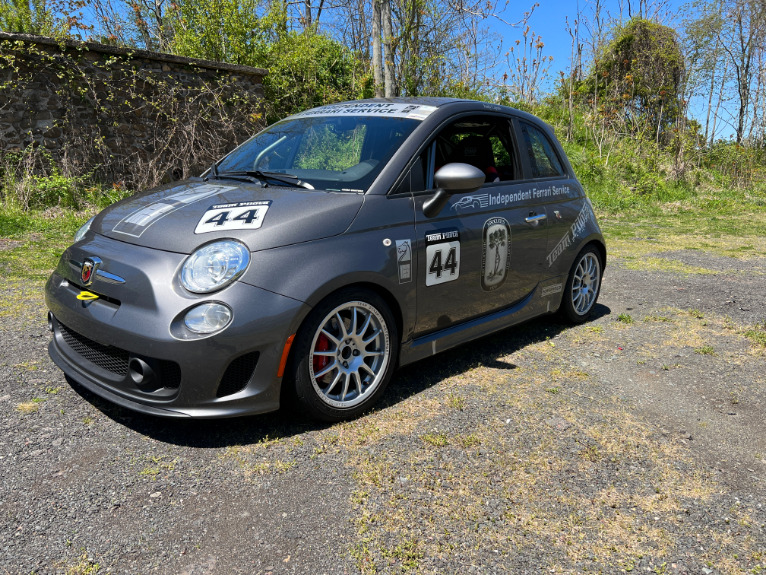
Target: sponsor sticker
{"x":571,"y":235}
{"x":138,"y":222}
{"x":391,"y":110}
{"x":236,"y":216}
{"x":442,"y":256}
{"x":552,"y":289}
{"x":496,"y":253}
{"x":503,"y":199}
{"x":404,"y":260}
{"x":472,"y":201}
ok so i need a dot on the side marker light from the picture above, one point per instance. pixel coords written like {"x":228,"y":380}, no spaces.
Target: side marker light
{"x":285,"y":353}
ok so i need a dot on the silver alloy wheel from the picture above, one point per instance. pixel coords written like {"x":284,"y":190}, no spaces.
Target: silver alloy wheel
{"x":586,"y":280}
{"x":349,"y":354}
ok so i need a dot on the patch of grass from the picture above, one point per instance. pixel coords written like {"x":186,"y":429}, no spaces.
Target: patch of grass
{"x":27,"y":407}
{"x":84,"y":566}
{"x":657,"y":318}
{"x":466,"y":441}
{"x":277,"y":467}
{"x":697,"y":225}
{"x":435,"y":439}
{"x":406,"y":553}
{"x":43,"y":237}
{"x":625,"y":318}
{"x":705,"y":350}
{"x":455,"y":401}
{"x":158,"y":465}
{"x":757,"y":335}
{"x":656,"y":264}
{"x":28,"y":365}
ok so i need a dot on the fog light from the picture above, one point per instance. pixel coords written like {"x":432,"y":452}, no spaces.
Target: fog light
{"x":208,"y":318}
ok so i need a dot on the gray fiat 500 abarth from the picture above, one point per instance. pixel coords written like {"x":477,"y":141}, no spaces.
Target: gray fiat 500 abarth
{"x":321,"y":254}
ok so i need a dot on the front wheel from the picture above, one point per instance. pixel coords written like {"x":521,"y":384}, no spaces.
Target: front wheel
{"x":583,"y":285}
{"x":344,"y":355}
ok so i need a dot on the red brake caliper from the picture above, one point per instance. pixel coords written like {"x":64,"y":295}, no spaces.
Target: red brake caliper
{"x":321,"y":361}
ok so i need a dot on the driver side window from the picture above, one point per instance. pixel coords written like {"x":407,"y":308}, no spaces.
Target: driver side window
{"x":481,"y":141}
{"x":484,"y":141}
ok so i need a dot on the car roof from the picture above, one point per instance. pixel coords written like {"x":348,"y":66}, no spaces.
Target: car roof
{"x":442,"y":102}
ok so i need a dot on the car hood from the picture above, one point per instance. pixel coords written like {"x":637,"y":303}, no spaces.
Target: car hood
{"x":182,"y":216}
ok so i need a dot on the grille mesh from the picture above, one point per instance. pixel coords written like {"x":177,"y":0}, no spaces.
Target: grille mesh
{"x":112,"y":359}
{"x":170,"y":374}
{"x":115,"y":360}
{"x":237,"y":374}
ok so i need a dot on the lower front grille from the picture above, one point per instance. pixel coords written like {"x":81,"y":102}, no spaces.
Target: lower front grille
{"x":117,"y":361}
{"x":237,"y":374}
{"x":111,"y":359}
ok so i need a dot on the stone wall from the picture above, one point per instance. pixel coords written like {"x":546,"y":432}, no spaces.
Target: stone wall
{"x":131,"y":117}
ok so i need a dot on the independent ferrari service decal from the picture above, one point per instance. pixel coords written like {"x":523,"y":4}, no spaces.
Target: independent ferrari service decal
{"x":442,"y":257}
{"x":388,"y":109}
{"x":496,"y":253}
{"x":238,"y":216}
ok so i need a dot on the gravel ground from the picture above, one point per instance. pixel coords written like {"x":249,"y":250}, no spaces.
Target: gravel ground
{"x":636,"y":442}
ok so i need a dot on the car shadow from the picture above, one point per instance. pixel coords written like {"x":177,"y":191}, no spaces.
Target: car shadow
{"x":407,"y":381}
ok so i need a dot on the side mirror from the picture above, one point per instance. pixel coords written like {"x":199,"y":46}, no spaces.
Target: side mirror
{"x":453,"y":179}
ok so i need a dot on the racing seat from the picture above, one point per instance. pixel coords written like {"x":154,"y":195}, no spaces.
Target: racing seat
{"x":477,"y":151}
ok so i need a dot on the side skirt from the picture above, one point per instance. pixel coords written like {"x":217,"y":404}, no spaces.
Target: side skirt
{"x":532,"y":305}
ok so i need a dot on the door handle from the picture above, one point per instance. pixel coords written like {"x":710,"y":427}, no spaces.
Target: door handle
{"x":535,"y":219}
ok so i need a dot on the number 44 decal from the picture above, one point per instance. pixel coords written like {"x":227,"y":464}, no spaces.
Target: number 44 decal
{"x":443,"y":262}
{"x":239,"y":216}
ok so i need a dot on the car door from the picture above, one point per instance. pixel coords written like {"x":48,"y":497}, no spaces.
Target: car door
{"x":483,"y":252}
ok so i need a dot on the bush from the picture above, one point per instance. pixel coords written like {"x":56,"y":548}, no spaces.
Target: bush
{"x":32,"y":180}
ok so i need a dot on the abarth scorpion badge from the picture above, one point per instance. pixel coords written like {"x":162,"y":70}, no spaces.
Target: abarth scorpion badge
{"x":88,"y":270}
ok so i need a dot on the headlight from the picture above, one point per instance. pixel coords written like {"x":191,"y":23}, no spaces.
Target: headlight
{"x":214,"y":266}
{"x":208,"y":318}
{"x":83,"y":230}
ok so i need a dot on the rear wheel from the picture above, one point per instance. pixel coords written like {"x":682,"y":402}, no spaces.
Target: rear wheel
{"x":583,"y":286}
{"x":344,"y":355}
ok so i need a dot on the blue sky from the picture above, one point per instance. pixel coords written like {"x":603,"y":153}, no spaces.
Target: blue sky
{"x":549,"y":20}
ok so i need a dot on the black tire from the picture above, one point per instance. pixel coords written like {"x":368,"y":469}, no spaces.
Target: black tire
{"x":344,"y":355}
{"x":583,"y":285}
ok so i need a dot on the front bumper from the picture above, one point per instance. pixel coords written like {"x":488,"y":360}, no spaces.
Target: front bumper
{"x":133,"y":327}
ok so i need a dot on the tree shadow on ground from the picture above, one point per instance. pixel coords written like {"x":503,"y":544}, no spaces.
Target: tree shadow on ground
{"x":407,"y":381}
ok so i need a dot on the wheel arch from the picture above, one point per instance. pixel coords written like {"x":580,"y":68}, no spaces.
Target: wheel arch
{"x":327,"y":290}
{"x":599,"y":244}
{"x":322,"y":294}
{"x":289,"y":394}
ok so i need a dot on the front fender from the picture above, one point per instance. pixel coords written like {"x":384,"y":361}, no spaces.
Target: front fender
{"x":311,"y":271}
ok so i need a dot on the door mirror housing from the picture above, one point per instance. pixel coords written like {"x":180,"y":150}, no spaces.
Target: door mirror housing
{"x":455,"y":178}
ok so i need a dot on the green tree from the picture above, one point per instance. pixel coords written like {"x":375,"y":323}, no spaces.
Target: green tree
{"x":639,"y":75}
{"x":307,"y":69}
{"x":222,"y":30}
{"x":28,"y":17}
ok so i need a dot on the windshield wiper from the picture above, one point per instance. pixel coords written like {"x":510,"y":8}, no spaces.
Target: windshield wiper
{"x":280,"y":177}
{"x":212,"y":173}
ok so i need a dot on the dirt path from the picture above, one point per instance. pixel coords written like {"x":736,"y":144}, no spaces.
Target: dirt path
{"x":633,"y":443}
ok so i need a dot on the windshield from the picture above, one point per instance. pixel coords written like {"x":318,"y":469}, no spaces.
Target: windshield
{"x":333,"y":153}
